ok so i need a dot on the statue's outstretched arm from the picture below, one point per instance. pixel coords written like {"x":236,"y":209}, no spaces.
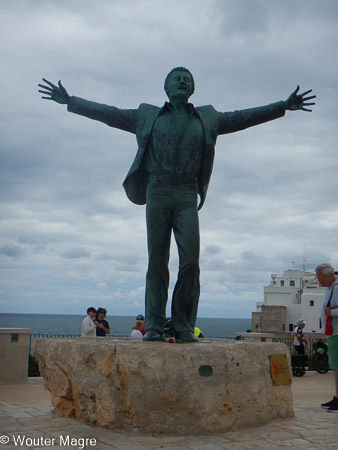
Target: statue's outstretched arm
{"x":58,"y":94}
{"x":296,"y":102}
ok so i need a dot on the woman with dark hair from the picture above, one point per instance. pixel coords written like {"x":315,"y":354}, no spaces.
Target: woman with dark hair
{"x":102,"y":326}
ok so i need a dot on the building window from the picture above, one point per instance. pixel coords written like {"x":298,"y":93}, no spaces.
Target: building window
{"x":290,"y":326}
{"x":14,"y":337}
{"x":282,"y":282}
{"x":292,"y":283}
{"x":312,"y":303}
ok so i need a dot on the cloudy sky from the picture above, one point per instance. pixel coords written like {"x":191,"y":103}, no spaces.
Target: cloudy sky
{"x":70,"y":238}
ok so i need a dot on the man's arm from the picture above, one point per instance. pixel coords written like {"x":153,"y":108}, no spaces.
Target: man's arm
{"x":239,"y":120}
{"x":106,"y":328}
{"x":124,"y":119}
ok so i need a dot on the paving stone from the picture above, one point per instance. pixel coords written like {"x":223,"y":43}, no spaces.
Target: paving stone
{"x":312,"y":428}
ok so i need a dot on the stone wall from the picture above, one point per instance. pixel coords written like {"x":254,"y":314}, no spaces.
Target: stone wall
{"x":271,"y":318}
{"x":14,"y":351}
{"x":206,"y":387}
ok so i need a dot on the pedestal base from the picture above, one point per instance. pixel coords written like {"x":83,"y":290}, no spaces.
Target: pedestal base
{"x":212,"y":386}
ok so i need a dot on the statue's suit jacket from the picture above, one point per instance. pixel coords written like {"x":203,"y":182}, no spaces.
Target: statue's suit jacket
{"x":140,"y":122}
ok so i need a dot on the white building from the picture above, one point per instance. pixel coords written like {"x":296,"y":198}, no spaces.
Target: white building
{"x":295,"y":295}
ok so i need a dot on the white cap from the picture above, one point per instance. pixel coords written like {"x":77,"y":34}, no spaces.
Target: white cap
{"x":300,"y":321}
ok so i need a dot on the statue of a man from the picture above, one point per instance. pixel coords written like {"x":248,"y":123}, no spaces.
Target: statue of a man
{"x":172,"y":167}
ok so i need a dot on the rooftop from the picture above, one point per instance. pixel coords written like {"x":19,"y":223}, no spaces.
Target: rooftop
{"x":25,"y":410}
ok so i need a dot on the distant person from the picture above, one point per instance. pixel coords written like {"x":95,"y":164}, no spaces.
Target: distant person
{"x":138,"y":329}
{"x":141,"y":317}
{"x":299,"y":339}
{"x":102,"y":326}
{"x":168,"y":331}
{"x":327,"y":278}
{"x":198,"y":333}
{"x":88,"y":326}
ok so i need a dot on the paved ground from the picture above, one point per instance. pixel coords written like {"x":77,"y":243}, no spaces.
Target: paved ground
{"x":25,"y":410}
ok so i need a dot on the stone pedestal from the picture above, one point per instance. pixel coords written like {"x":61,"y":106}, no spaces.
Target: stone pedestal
{"x":212,"y":386}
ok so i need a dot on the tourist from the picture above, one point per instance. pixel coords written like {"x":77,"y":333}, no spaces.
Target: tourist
{"x":326,"y":278}
{"x":299,"y":337}
{"x":102,"y":326}
{"x":138,"y":329}
{"x":198,"y":333}
{"x":88,"y":326}
{"x":141,"y":317}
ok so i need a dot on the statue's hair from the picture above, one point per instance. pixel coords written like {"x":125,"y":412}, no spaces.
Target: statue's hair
{"x":175,"y":69}
{"x":326,"y":268}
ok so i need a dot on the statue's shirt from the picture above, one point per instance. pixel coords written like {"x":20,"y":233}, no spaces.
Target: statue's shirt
{"x":175,"y":149}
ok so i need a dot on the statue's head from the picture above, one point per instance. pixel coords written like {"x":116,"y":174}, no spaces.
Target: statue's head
{"x":179,"y":79}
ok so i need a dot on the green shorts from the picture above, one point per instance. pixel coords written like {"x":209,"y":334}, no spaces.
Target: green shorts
{"x":332,"y":344}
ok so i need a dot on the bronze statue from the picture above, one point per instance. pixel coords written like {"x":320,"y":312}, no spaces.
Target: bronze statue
{"x":172,"y":166}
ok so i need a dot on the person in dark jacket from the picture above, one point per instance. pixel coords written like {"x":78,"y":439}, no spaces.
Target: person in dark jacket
{"x":102,"y":326}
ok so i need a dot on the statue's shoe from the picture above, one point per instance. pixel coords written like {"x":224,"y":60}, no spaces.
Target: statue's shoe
{"x":186,"y":336}
{"x":152,"y":335}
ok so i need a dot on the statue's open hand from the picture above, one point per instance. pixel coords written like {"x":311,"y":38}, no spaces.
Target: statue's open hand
{"x":295,"y":102}
{"x":58,"y":94}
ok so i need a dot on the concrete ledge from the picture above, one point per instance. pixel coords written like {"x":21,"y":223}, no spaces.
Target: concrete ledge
{"x":212,"y":386}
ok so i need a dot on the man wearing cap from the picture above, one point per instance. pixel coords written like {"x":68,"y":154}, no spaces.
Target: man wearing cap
{"x":327,"y":278}
{"x":299,"y":336}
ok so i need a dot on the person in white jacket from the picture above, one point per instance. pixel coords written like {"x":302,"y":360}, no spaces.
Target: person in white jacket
{"x":137,"y":329}
{"x":327,"y":278}
{"x":88,"y":326}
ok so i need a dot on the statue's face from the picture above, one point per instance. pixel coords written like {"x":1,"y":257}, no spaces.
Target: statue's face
{"x":180,"y":85}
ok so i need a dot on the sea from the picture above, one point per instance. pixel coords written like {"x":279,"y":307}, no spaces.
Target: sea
{"x":70,"y":325}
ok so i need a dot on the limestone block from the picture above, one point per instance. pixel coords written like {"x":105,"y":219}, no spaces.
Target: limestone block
{"x":158,"y":387}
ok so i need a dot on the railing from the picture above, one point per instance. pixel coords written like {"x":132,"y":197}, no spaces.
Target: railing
{"x":289,"y":342}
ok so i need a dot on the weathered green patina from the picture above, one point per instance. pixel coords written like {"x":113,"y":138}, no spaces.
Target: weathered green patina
{"x":172,"y":167}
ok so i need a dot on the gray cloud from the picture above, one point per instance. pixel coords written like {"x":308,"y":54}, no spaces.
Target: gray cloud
{"x":12,"y":251}
{"x":273,"y":189}
{"x":76,"y":253}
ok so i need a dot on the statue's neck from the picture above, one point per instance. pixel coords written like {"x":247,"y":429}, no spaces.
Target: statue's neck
{"x":178,"y":104}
